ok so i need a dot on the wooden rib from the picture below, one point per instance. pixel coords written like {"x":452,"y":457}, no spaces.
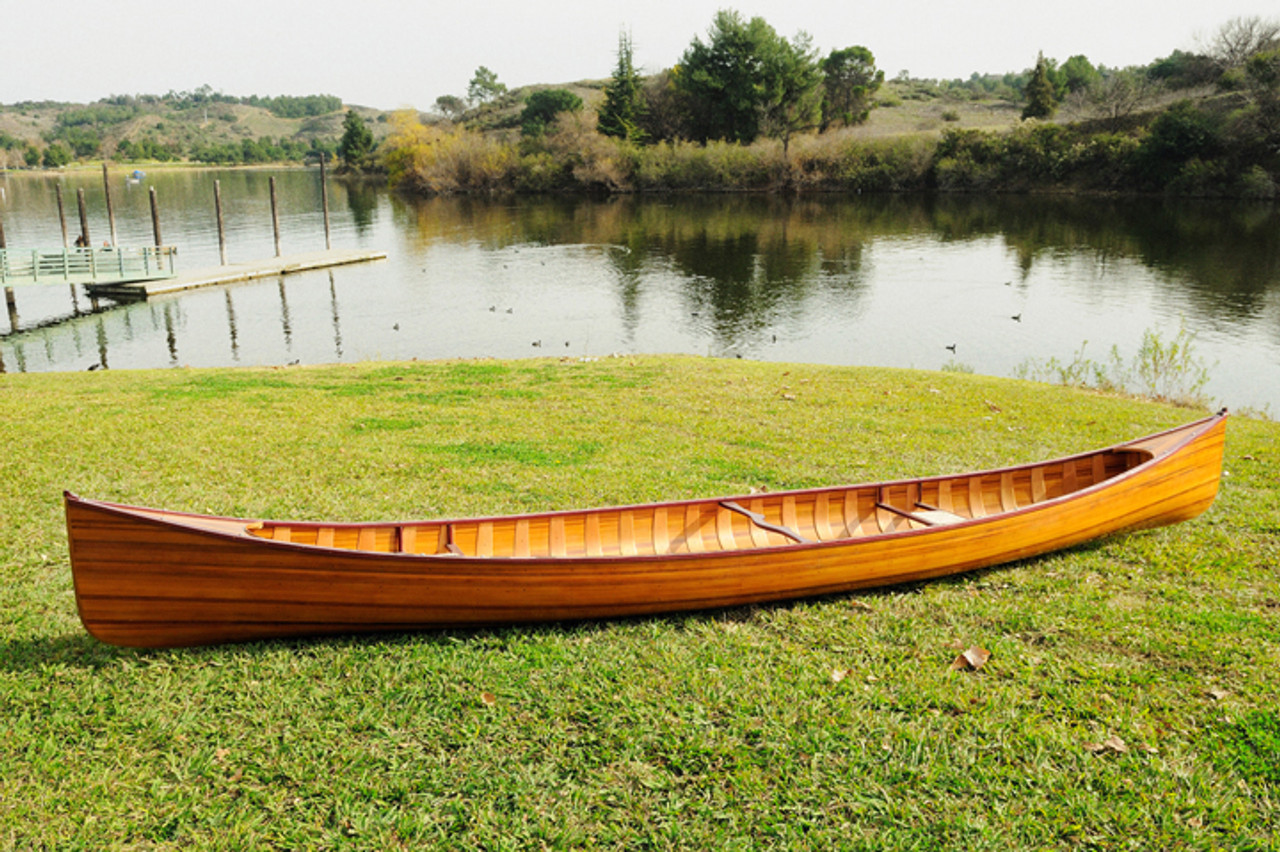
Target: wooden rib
{"x":1038,"y":490}
{"x":324,"y":537}
{"x":282,"y":533}
{"x":408,"y":538}
{"x":944,"y":496}
{"x":1008,"y":499}
{"x":627,"y":534}
{"x":724,"y":529}
{"x":484,"y":539}
{"x":520,"y":546}
{"x":555,"y":536}
{"x":591,"y":535}
{"x":693,"y":528}
{"x":367,"y":538}
{"x":977,"y":503}
{"x":1070,"y":484}
{"x":822,"y":518}
{"x":1099,"y":468}
{"x":789,"y":513}
{"x":852,"y":520}
{"x":661,"y":535}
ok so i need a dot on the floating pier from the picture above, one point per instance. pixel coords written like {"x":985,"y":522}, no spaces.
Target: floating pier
{"x":235,"y":272}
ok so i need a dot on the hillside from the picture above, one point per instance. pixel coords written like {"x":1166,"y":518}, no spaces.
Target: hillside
{"x":176,"y":127}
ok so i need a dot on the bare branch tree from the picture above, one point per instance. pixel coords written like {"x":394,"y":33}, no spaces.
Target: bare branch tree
{"x":1242,"y":37}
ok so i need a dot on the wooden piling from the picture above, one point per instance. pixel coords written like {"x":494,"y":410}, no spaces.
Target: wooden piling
{"x":9,"y":298}
{"x":62,"y":214}
{"x":111,"y":213}
{"x":11,"y":303}
{"x":84,"y":218}
{"x":222,"y":233}
{"x":155,"y":217}
{"x":324,"y":202}
{"x":275,"y":215}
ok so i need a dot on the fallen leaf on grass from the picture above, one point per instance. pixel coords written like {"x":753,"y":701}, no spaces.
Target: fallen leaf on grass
{"x":488,"y":698}
{"x":1218,"y":694}
{"x":838,"y":675}
{"x":857,"y":604}
{"x":991,"y":405}
{"x":971,"y":660}
{"x":1111,"y":743}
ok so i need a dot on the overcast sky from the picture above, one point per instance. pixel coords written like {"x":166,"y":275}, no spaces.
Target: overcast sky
{"x":395,"y":53}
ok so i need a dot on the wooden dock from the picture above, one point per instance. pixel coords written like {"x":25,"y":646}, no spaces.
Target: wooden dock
{"x":235,"y":272}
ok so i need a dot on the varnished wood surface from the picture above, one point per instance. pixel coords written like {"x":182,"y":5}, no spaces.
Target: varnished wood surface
{"x":152,"y":578}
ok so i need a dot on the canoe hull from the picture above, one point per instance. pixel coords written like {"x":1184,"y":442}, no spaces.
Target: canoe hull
{"x":149,"y":579}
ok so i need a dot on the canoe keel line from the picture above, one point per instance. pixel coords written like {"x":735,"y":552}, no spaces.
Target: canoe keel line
{"x":152,"y":578}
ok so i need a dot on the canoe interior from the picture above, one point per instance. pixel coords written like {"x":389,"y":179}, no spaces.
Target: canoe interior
{"x":707,"y":526}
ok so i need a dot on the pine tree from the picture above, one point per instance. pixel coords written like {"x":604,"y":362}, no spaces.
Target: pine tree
{"x":623,"y":105}
{"x":357,"y":140}
{"x":1041,"y":101}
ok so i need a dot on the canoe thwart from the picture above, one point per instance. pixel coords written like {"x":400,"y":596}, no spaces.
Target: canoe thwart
{"x":759,"y":520}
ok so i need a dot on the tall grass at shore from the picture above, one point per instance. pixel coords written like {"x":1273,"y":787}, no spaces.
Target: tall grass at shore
{"x":1129,"y":700}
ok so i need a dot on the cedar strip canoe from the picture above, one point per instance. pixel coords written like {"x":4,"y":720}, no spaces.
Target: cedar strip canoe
{"x":150,"y":578}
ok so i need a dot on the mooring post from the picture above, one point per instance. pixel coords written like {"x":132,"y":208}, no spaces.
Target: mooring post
{"x":84,"y":218}
{"x":324,"y":201}
{"x":275,"y":215}
{"x":155,"y":217}
{"x":222,"y":234}
{"x":62,"y":215}
{"x":9,"y":298}
{"x":111,"y":214}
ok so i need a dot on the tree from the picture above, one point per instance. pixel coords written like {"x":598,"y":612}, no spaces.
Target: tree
{"x":56,"y":156}
{"x":1119,"y":95}
{"x":1041,"y":101}
{"x":790,"y":89}
{"x":356,"y":142}
{"x":1080,"y":73}
{"x":484,"y":86}
{"x":1240,"y":38}
{"x":543,"y":106}
{"x":722,"y":78}
{"x":451,"y":106}
{"x":850,"y":79}
{"x":623,"y":107}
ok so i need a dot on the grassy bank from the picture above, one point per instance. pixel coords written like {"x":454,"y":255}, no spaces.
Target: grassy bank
{"x":1130,"y":699}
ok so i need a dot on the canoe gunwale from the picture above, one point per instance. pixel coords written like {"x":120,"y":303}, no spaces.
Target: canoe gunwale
{"x":166,"y":518}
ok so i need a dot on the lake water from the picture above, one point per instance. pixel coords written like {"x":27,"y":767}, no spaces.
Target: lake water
{"x":867,"y":280}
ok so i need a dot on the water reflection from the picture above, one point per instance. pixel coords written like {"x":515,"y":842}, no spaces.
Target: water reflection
{"x":869,"y":279}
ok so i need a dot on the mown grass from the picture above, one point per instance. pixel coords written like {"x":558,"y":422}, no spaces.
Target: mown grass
{"x":1129,"y":701}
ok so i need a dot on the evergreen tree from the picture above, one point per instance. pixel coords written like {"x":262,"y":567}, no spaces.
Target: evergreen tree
{"x":722,"y":78}
{"x":484,"y":86}
{"x":850,"y":79}
{"x":1041,"y":101}
{"x":790,"y":90}
{"x":623,"y":106}
{"x":542,"y":107}
{"x":357,"y":140}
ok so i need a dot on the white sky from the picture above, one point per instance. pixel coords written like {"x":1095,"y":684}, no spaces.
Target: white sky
{"x":394,"y":53}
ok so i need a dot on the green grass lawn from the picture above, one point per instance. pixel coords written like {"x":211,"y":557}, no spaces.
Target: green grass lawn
{"x":1131,"y":699}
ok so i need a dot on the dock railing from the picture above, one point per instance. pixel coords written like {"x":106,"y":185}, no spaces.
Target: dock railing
{"x":106,"y":265}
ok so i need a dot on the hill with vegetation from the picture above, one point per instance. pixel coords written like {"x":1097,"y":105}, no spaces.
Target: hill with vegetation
{"x":744,"y":109}
{"x":196,"y":126}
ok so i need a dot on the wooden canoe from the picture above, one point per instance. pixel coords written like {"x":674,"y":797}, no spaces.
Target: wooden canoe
{"x":152,"y":578}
